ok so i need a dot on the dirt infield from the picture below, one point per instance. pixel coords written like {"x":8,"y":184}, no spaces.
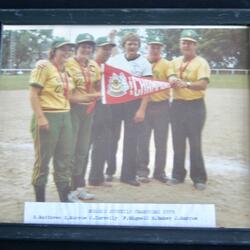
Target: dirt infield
{"x":225,"y":146}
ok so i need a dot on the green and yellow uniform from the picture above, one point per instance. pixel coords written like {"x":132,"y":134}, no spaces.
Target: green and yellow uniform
{"x":52,"y":94}
{"x":196,"y":69}
{"x":157,"y":120}
{"x":188,"y":118}
{"x":56,"y":141}
{"x":160,"y":72}
{"x":85,"y":80}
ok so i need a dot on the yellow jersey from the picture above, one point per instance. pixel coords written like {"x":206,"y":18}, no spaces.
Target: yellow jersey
{"x":53,"y":84}
{"x":191,"y":71}
{"x":160,"y":72}
{"x":85,"y":79}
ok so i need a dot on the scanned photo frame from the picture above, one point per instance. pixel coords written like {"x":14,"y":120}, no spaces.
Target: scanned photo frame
{"x":225,"y":144}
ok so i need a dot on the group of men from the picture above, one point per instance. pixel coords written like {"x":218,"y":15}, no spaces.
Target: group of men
{"x":69,"y":85}
{"x":152,"y":114}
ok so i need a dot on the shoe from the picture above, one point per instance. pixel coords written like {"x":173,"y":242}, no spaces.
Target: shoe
{"x":173,"y":181}
{"x":83,"y":195}
{"x":73,"y":197}
{"x":162,"y":178}
{"x":143,"y":179}
{"x":132,"y":182}
{"x":109,"y":178}
{"x":200,"y":186}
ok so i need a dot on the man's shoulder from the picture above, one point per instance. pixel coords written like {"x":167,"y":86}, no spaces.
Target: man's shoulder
{"x":164,"y":61}
{"x":116,"y":59}
{"x":177,"y":59}
{"x":201,"y":60}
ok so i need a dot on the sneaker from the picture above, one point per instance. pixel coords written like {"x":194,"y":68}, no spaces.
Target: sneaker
{"x":143,"y":179}
{"x":173,"y":181}
{"x":83,"y":195}
{"x":200,"y":186}
{"x":73,"y":197}
{"x":109,"y":178}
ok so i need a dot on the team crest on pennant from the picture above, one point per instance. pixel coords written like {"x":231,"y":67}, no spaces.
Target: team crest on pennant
{"x":117,"y":85}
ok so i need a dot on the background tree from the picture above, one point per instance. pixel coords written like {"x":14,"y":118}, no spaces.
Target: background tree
{"x":223,"y":48}
{"x":30,"y":46}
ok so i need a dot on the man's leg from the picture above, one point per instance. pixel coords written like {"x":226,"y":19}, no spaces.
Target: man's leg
{"x":144,"y":136}
{"x":160,"y":125}
{"x":196,"y":121}
{"x":179,"y":134}
{"x":131,"y":130}
{"x":99,"y":145}
{"x":116,"y":121}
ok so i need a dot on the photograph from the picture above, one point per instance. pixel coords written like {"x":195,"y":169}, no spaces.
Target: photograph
{"x":125,"y":114}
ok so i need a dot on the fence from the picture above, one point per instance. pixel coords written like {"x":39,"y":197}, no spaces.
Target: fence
{"x":215,"y":71}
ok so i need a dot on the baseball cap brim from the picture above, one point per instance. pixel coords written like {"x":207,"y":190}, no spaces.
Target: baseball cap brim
{"x":85,"y":41}
{"x":106,"y":43}
{"x":64,"y":43}
{"x":188,"y":39}
{"x":159,"y":43}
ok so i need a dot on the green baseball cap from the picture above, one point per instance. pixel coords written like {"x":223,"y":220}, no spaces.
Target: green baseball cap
{"x":189,"y":35}
{"x":155,"y":40}
{"x":85,"y":37}
{"x":59,"y":42}
{"x":104,"y":40}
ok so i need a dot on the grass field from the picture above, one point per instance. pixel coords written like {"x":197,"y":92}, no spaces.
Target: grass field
{"x":238,"y":81}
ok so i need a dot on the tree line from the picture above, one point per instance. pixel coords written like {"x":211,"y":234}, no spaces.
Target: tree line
{"x":223,"y":48}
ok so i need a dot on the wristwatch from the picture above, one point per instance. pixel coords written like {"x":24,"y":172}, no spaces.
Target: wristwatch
{"x":189,"y":84}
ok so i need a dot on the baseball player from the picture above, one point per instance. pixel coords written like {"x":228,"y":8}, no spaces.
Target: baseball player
{"x":189,"y":75}
{"x":156,"y":119}
{"x":102,"y":123}
{"x":49,"y":95}
{"x":86,"y":74}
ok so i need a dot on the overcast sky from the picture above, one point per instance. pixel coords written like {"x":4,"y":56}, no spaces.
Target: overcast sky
{"x":71,"y":31}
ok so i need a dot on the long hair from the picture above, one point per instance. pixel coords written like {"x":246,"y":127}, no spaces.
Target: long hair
{"x":131,"y":37}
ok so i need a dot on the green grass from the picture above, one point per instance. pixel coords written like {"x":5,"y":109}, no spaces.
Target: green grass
{"x":237,"y":81}
{"x":15,"y":82}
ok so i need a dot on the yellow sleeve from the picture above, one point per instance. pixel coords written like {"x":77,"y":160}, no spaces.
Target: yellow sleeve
{"x":203,"y":71}
{"x":38,"y":76}
{"x":171,"y":69}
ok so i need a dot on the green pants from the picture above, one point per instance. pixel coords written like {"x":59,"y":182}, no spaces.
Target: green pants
{"x":53,"y":143}
{"x":81,"y":123}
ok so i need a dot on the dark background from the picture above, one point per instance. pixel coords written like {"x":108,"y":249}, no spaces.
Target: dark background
{"x":125,"y":4}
